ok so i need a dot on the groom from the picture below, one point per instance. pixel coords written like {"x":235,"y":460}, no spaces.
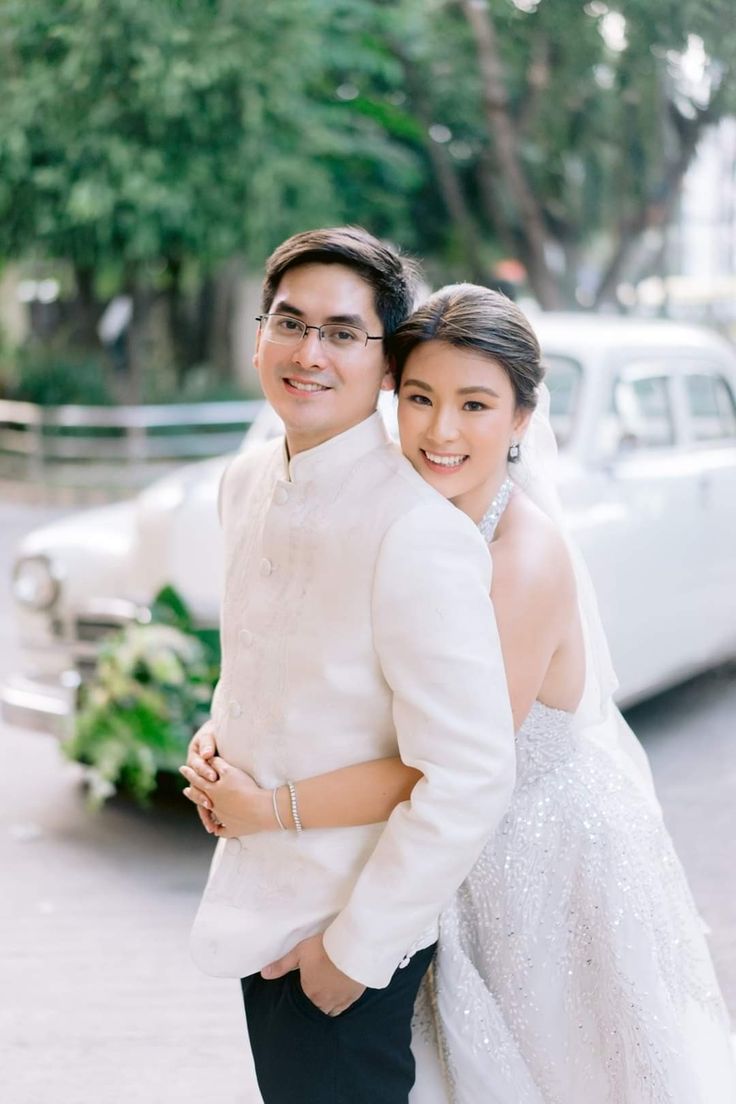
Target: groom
{"x":356,"y":624}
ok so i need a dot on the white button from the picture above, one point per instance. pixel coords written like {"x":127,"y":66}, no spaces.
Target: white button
{"x":234,"y":708}
{"x":281,"y":495}
{"x":246,"y":637}
{"x":233,"y":845}
{"x":266,"y":566}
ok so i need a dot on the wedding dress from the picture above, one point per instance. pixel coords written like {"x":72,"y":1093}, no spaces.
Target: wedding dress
{"x":572,"y":966}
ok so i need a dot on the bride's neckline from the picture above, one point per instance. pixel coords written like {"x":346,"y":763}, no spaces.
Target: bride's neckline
{"x":552,"y":708}
{"x":492,"y":516}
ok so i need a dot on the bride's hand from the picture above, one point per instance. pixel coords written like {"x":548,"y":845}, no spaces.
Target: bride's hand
{"x":235,"y":800}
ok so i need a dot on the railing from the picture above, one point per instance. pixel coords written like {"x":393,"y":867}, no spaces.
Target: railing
{"x":114,"y":445}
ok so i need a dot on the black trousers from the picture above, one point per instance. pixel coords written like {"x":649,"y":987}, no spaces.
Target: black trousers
{"x":363,"y":1056}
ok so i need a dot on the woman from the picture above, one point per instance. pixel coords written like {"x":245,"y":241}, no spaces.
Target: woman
{"x":571,"y":967}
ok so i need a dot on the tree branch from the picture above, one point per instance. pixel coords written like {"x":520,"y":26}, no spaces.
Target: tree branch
{"x":505,"y":137}
{"x":658,"y":208}
{"x":445,"y":172}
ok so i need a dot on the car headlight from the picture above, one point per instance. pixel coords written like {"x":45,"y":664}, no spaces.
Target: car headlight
{"x":35,"y":582}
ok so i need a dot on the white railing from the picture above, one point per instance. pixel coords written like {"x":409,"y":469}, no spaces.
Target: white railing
{"x":36,"y":441}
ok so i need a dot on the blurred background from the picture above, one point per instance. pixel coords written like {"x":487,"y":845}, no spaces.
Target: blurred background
{"x":579,"y":156}
{"x":153,"y":155}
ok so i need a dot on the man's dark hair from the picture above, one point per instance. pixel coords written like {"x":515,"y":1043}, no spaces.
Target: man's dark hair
{"x":392,"y":277}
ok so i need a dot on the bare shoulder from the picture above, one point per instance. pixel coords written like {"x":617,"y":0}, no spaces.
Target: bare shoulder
{"x":530,"y":556}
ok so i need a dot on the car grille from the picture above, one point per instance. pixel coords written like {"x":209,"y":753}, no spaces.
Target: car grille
{"x":94,"y":625}
{"x":93,"y":631}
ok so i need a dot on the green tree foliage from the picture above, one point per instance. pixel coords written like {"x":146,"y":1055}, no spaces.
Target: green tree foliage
{"x":567,"y":125}
{"x":149,"y":143}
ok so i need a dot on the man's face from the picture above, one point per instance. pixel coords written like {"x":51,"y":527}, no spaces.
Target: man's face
{"x":319,"y":391}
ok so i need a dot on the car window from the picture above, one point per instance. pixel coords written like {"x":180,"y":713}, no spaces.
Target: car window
{"x":640,"y":415}
{"x":563,"y":376}
{"x":710,"y":407}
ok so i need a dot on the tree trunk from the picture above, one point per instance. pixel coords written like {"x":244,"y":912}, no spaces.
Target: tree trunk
{"x":223,"y":301}
{"x":655,"y":212}
{"x":137,"y":341}
{"x":505,"y":137}
{"x":85,"y":310}
{"x":495,"y":207}
{"x":445,"y":173}
{"x":178,"y":321}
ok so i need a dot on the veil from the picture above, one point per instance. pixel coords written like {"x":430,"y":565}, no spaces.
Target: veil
{"x":597,"y":717}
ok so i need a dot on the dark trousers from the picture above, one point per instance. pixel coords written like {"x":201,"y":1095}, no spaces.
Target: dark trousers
{"x":363,"y":1056}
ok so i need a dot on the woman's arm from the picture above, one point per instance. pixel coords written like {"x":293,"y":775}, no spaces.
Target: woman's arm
{"x":365,"y":793}
{"x":533,"y":592}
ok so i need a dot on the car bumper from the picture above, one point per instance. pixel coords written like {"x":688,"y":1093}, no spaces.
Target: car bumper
{"x":44,"y":706}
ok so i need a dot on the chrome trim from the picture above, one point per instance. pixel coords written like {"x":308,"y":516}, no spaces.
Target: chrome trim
{"x":41,"y":706}
{"x":118,"y":610}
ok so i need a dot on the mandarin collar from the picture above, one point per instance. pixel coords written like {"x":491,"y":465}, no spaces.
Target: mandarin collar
{"x":339,"y":451}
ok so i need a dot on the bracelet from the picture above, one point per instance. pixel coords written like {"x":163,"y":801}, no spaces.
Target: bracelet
{"x":276,"y":812}
{"x":294,"y":807}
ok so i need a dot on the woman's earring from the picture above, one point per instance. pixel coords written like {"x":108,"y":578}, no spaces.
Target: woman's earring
{"x":514,"y":452}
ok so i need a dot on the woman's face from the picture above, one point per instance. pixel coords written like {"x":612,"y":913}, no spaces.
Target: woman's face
{"x":457,"y":419}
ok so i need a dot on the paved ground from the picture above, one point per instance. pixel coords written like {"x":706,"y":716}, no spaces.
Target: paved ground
{"x":100,"y":1001}
{"x":690,"y":736}
{"x":100,"y":1004}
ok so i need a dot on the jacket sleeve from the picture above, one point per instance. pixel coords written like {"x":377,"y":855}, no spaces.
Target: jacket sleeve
{"x":436,"y":639}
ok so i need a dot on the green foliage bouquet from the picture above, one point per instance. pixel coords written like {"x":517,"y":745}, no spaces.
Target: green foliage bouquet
{"x":151,"y":690}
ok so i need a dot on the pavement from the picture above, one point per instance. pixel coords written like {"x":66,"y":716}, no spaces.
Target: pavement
{"x":99,"y":1000}
{"x":101,"y":1003}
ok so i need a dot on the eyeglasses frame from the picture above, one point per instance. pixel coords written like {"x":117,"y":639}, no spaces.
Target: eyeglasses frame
{"x":259,"y":318}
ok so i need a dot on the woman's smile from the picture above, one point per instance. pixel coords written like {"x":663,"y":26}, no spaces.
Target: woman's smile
{"x":443,"y":462}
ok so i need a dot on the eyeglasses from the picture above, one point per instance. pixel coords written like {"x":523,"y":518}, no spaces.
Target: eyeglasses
{"x":284,"y":329}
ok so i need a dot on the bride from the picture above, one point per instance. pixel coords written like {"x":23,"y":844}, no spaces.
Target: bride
{"x":571,"y":966}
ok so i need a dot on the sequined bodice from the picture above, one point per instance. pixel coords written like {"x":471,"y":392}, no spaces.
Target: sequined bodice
{"x":545,"y":741}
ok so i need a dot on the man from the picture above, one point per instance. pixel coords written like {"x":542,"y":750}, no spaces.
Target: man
{"x":356,"y":623}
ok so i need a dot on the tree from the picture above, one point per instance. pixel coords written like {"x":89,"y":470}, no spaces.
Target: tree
{"x":152,"y":146}
{"x":570,"y":124}
{"x":147,"y":144}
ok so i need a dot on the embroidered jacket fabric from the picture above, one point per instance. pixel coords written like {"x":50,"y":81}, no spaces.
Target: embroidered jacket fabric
{"x":356,"y":624}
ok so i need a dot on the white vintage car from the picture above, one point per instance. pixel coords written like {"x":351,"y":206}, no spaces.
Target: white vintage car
{"x":646,"y":420}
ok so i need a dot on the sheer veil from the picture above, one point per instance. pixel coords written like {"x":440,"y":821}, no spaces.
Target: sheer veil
{"x":597,"y":717}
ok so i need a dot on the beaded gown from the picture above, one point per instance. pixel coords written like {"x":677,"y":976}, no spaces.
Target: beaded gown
{"x":572,"y":967}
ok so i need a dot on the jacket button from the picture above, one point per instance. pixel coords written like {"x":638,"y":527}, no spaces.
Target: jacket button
{"x":235,"y":708}
{"x":246,"y":637}
{"x":281,"y":496}
{"x":266,"y":566}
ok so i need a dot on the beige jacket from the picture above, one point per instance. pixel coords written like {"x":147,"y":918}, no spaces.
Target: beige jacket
{"x":356,"y":624}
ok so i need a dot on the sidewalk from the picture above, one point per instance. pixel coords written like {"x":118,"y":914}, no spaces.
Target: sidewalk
{"x":100,"y":1002}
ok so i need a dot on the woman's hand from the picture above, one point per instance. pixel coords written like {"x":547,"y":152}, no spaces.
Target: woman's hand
{"x":236,"y":803}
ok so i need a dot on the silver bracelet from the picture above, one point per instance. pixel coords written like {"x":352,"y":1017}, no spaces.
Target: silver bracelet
{"x":294,"y":807}
{"x":276,"y":812}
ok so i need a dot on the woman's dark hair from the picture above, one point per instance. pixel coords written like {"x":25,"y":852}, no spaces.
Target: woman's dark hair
{"x":392,"y":277}
{"x":471,"y":317}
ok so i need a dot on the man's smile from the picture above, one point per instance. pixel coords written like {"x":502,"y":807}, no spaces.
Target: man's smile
{"x":304,"y":387}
